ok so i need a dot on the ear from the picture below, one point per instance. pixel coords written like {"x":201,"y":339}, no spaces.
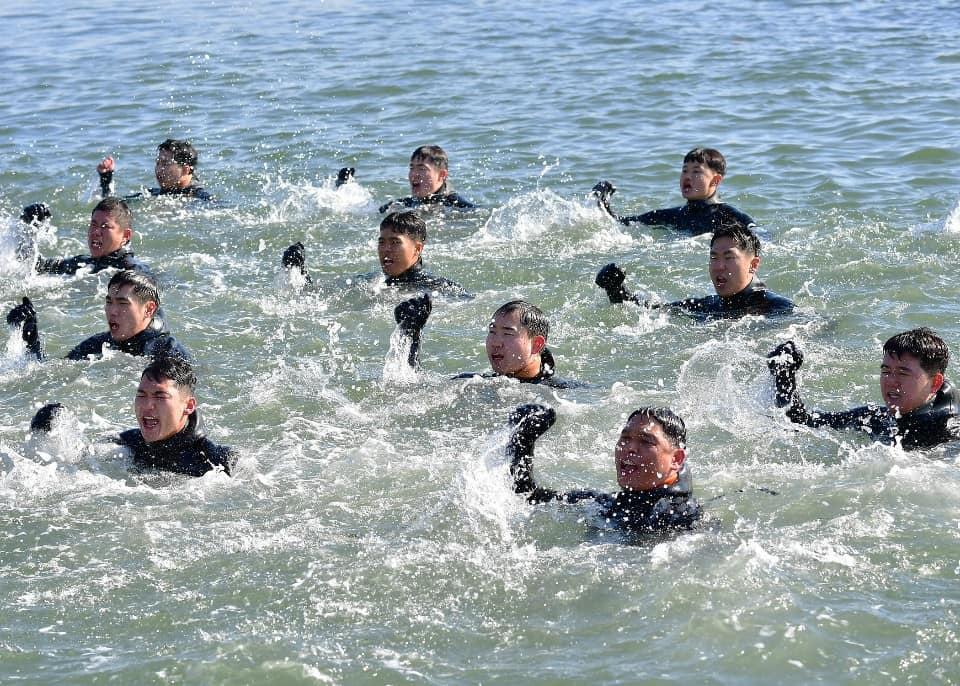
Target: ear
{"x":937,"y":382}
{"x":127,"y":235}
{"x":191,"y":406}
{"x":754,"y":264}
{"x":538,"y":344}
{"x":444,"y":173}
{"x":418,"y":247}
{"x":679,"y":457}
{"x":150,"y":309}
{"x":715,"y":181}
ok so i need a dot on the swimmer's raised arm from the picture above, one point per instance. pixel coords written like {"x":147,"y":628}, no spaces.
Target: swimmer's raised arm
{"x":105,"y":170}
{"x":530,"y":422}
{"x":294,"y":257}
{"x":411,"y":316}
{"x":25,"y":316}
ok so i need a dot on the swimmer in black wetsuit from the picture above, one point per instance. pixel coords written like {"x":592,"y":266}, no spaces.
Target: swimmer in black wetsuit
{"x":734,"y":261}
{"x":650,"y":458}
{"x":922,"y":408}
{"x":176,"y":163}
{"x":429,"y":170}
{"x":108,"y":239}
{"x":516,"y":341}
{"x":131,"y":306}
{"x":171,"y":436}
{"x":703,"y":170}
{"x":400,"y":249}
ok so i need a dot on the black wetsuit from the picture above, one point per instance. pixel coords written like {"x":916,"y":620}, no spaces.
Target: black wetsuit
{"x":419,"y":279}
{"x":153,"y":341}
{"x":121,"y":258}
{"x":936,"y":422}
{"x":660,"y":509}
{"x":441,"y":197}
{"x":191,"y":191}
{"x":188,"y":452}
{"x":546,"y":375}
{"x":696,"y":217}
{"x":755,"y":299}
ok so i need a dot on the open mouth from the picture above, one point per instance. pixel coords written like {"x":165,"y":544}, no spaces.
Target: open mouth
{"x":149,"y":424}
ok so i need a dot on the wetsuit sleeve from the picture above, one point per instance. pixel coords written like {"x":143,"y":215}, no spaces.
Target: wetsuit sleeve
{"x":106,"y":183}
{"x":397,"y":203}
{"x":25,"y":316}
{"x":458,"y":201}
{"x":743,"y":217}
{"x":57,"y":265}
{"x":530,"y":422}
{"x":91,"y":347}
{"x":411,"y":316}
{"x":869,"y":419}
{"x":777,"y":304}
{"x":166,"y":345}
{"x":652,"y":218}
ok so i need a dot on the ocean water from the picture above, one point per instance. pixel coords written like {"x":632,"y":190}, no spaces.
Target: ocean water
{"x":370,"y":535}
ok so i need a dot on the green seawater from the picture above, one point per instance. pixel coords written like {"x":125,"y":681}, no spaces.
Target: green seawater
{"x":370,"y":535}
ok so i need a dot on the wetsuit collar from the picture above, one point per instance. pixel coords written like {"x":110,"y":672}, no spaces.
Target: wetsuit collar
{"x":703,"y":205}
{"x":135,"y":343}
{"x":755,"y":286}
{"x":547,"y":368}
{"x":410,"y":275}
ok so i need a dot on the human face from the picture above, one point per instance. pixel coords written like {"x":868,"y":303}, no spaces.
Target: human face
{"x":511,"y":349}
{"x":162,"y":408}
{"x":731,"y":267}
{"x":171,"y":174}
{"x":105,"y":235}
{"x":425,"y":177}
{"x":644,"y":456}
{"x":904,"y":384}
{"x":126,"y":315}
{"x":698,"y":181}
{"x":397,"y":252}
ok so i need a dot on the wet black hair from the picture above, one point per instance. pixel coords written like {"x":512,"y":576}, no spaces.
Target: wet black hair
{"x":174,"y":368}
{"x":144,"y":287}
{"x":182,"y":152}
{"x":671,"y":423}
{"x":924,"y":344}
{"x":407,"y":223}
{"x":744,"y":238}
{"x":433,"y":154}
{"x":116,"y":208}
{"x":532,"y":317}
{"x":708,"y":156}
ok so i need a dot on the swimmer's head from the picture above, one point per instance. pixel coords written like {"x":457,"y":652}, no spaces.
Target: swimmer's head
{"x":400,"y":245}
{"x":734,"y":258}
{"x":131,"y":302}
{"x":175,"y":165}
{"x":165,"y":398}
{"x":651,"y":449}
{"x":111,"y":227}
{"x":516,"y":336}
{"x":913,"y":368}
{"x":429,"y":169}
{"x":703,"y":170}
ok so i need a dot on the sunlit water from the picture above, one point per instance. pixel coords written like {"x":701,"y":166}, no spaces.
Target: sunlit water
{"x":370,"y":535}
